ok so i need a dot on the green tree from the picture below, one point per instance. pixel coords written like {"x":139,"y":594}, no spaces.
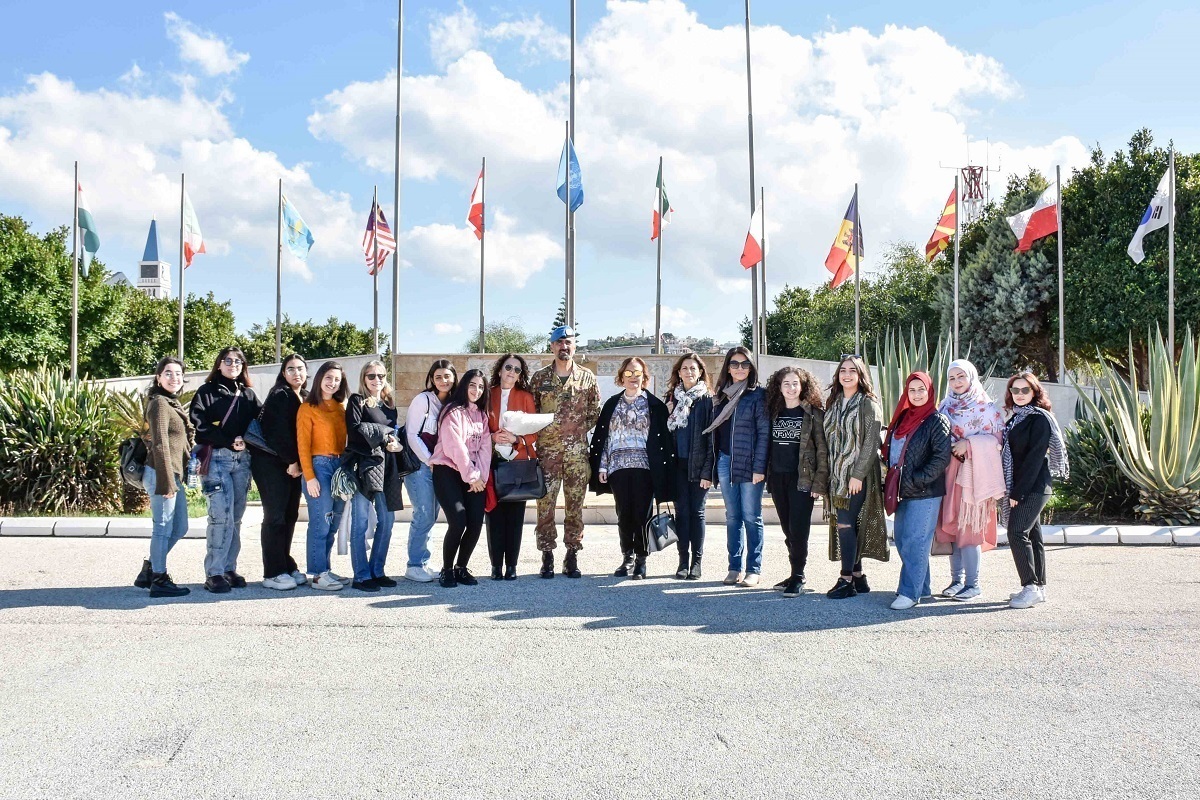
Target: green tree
{"x":330,"y":340}
{"x":505,"y":337}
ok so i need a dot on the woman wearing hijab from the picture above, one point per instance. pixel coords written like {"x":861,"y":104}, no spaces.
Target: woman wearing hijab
{"x":974,"y":480}
{"x":917,"y":444}
{"x":1033,"y":456}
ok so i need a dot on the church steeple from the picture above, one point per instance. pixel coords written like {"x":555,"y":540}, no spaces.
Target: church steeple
{"x":154,"y":274}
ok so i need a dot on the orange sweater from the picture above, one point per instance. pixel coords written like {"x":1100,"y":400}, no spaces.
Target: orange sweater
{"x":320,"y":431}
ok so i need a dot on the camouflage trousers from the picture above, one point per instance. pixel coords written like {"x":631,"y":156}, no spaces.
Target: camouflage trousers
{"x":565,"y":467}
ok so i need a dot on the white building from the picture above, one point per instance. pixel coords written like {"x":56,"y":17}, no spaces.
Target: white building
{"x":154,"y":274}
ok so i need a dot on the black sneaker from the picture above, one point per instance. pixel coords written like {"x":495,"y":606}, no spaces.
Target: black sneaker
{"x":793,"y":587}
{"x":384,"y":582}
{"x":217,"y":584}
{"x":446,"y":579}
{"x":860,"y":584}
{"x":235,"y":581}
{"x":142,"y":581}
{"x":841,"y":590}
{"x":163,"y":586}
{"x":782,"y":584}
{"x":369,"y":585}
{"x":464,"y":576}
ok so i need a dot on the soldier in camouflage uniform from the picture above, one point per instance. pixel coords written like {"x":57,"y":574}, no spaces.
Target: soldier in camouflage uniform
{"x":568,"y":391}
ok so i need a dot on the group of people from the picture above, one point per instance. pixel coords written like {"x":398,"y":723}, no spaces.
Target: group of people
{"x":944,"y":469}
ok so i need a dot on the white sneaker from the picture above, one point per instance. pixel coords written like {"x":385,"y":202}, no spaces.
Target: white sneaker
{"x":969,"y":593}
{"x":953,"y":589}
{"x":339,"y":578}
{"x":1041,"y":594}
{"x":299,"y":577}
{"x":326,"y":583}
{"x":418,"y":574}
{"x":733,"y":577}
{"x":902,"y":603}
{"x":751,"y":579}
{"x":1028,"y":597}
{"x":282,"y":582}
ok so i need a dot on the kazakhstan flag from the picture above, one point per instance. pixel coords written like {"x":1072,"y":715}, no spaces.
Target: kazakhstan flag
{"x":296,"y":235}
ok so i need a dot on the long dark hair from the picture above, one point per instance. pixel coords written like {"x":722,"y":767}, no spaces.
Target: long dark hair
{"x":810,"y":391}
{"x":1039,"y":394}
{"x":675,"y":380}
{"x":314,"y":397}
{"x":458,"y":398}
{"x":441,"y":363}
{"x":281,"y":379}
{"x":725,"y":380}
{"x":161,"y":366}
{"x":864,"y":380}
{"x":243,"y":378}
{"x":522,"y":376}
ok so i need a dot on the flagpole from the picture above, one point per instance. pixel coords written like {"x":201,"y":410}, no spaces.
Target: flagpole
{"x":375,"y":263}
{"x":658,"y":203}
{"x":754,"y":337}
{"x":1171,"y":252}
{"x":279,"y":274}
{"x":482,"y":234}
{"x":570,"y":213}
{"x":567,"y":228}
{"x":762,"y":243}
{"x":857,"y":273}
{"x":75,"y":281}
{"x":396,"y":209}
{"x":957,"y":202}
{"x":1062,"y":336}
{"x":182,"y":194}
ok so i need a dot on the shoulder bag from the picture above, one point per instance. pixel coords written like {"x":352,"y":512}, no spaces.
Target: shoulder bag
{"x":660,"y":530}
{"x":203,"y":452}
{"x":520,"y":479}
{"x":891,"y":485}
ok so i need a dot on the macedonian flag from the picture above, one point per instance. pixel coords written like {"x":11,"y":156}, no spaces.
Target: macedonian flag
{"x":947,"y":226}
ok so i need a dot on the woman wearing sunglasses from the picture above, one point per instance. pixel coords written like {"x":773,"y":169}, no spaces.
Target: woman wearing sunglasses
{"x":741,"y":437}
{"x":633,"y":456}
{"x":1033,"y":456}
{"x":221,"y":411}
{"x":510,"y":392}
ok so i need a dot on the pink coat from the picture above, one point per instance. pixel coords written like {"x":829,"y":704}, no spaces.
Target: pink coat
{"x":464,"y":443}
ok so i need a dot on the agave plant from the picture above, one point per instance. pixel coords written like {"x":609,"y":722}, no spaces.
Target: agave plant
{"x":1163,"y":461}
{"x":898,"y":358}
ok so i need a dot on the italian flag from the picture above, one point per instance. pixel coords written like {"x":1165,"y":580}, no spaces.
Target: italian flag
{"x":87,"y":229}
{"x":662,"y":208}
{"x":193,"y":239}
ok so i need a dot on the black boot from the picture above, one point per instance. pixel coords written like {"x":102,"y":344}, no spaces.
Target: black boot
{"x":496,"y":576}
{"x":694,"y":572}
{"x":142,"y":581}
{"x":639,"y":568}
{"x":547,"y":564}
{"x":571,"y":565}
{"x":626,"y":565}
{"x":161,"y":585}
{"x":682,"y":571}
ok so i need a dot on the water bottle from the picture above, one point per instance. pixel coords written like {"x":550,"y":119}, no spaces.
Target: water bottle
{"x":193,"y":473}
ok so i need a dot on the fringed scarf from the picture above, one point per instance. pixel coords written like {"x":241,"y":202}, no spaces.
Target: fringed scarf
{"x":684,"y":398}
{"x":844,"y":436}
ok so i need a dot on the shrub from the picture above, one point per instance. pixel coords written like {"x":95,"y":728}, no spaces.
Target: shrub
{"x":1097,"y":488}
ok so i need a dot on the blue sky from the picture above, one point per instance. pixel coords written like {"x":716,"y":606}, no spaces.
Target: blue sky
{"x":241,"y":95}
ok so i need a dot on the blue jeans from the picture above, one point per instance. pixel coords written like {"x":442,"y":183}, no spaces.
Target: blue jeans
{"x":915,"y":521}
{"x":360,"y":511}
{"x":743,"y":508}
{"x":170,"y":520}
{"x":964,"y":563}
{"x":419,"y":486}
{"x":324,"y":515}
{"x":225,"y":486}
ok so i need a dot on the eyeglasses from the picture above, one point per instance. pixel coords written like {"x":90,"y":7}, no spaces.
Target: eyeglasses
{"x":512,"y":368}
{"x":232,"y":362}
{"x":295,"y":370}
{"x":844,"y":356}
{"x":171,"y":375}
{"x":377,"y":376}
{"x":739,"y":365}
{"x":1021,"y":390}
{"x":632,"y":373}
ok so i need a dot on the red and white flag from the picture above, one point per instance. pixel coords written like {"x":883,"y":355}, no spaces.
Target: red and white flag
{"x":754,"y":250}
{"x":193,"y":239}
{"x":475,"y":215}
{"x":1036,"y":222}
{"x":662,"y":208}
{"x":378,"y":241}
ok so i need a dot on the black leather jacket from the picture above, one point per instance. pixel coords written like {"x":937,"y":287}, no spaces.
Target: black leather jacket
{"x":926,"y":459}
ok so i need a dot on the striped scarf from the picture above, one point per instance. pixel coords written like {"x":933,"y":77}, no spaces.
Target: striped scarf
{"x":843,"y":433}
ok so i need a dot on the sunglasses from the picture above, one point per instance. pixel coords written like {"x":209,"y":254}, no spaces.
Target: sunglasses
{"x":850,"y":355}
{"x":377,"y":376}
{"x":511,"y":368}
{"x":739,"y":365}
{"x":632,"y":373}
{"x":232,"y":362}
{"x":1021,"y":390}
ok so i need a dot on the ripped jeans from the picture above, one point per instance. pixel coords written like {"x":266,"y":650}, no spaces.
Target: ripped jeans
{"x":324,"y":515}
{"x":225,"y":486}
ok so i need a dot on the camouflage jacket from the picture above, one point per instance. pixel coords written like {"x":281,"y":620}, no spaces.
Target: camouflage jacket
{"x":575,"y":404}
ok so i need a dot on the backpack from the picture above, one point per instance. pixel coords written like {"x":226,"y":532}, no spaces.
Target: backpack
{"x":132,"y":455}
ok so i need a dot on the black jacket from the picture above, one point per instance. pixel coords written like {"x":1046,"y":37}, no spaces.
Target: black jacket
{"x":925,"y":459}
{"x":278,"y":423}
{"x":701,"y":463}
{"x":367,"y":430}
{"x":208,"y":409}
{"x":660,"y":449}
{"x":1029,"y":441}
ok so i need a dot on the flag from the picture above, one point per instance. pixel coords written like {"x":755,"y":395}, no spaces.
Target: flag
{"x":1154,"y":218}
{"x":475,"y":215}
{"x":570,"y":181}
{"x":753,"y":251}
{"x":946,"y":227}
{"x":296,"y":235}
{"x":847,"y":250}
{"x":87,"y":231}
{"x":377,"y":238}
{"x":193,"y":239}
{"x":662,"y":208}
{"x":1034,"y":223}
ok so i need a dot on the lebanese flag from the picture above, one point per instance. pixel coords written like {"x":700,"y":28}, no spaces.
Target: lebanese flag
{"x":193,"y":239}
{"x":754,"y":250}
{"x":1039,"y":221}
{"x":662,"y":208}
{"x":475,"y":215}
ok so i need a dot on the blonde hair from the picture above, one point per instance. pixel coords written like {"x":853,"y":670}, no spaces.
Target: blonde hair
{"x":385,"y":394}
{"x":618,"y":378}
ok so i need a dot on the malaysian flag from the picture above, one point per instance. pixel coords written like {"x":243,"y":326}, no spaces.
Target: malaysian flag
{"x":377,"y":238}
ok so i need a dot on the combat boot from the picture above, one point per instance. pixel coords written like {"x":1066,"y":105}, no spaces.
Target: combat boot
{"x":571,"y":565}
{"x":547,"y":564}
{"x":142,"y":581}
{"x":626,"y":565}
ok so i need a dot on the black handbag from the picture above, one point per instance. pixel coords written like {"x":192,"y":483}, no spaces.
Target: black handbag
{"x":660,"y":530}
{"x":406,"y":460}
{"x":519,"y":480}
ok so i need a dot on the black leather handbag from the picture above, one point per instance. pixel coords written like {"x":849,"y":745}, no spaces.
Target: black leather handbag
{"x":660,"y":530}
{"x":406,"y":460}
{"x":519,"y":480}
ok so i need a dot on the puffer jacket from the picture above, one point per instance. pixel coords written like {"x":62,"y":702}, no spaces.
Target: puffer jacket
{"x":750,"y":436}
{"x":926,"y":457}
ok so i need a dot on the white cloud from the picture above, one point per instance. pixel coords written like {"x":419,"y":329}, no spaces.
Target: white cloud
{"x":134,"y":75}
{"x":213,"y":55}
{"x":446,"y":328}
{"x":453,"y":35}
{"x":538,"y":39}
{"x":452,"y":251}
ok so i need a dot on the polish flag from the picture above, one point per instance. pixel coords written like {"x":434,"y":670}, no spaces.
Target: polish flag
{"x":475,"y":215}
{"x":754,"y":250}
{"x":1039,"y":221}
